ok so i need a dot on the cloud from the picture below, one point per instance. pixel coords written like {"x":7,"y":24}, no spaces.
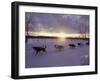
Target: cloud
{"x":68,"y":23}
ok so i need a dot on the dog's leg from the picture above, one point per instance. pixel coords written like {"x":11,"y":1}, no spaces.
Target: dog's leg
{"x":42,"y":53}
{"x":36,"y":53}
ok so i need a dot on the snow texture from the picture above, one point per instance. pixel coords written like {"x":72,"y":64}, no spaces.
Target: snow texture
{"x":52,"y":57}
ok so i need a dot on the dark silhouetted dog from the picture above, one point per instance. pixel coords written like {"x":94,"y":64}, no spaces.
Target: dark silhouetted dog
{"x":87,"y":43}
{"x":39,"y":50}
{"x":72,"y":45}
{"x":59,"y":47}
{"x":79,"y":44}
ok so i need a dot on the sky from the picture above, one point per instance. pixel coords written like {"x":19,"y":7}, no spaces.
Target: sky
{"x":50,"y":22}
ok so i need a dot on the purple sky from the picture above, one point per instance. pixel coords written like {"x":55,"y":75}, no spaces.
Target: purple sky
{"x":48,"y":22}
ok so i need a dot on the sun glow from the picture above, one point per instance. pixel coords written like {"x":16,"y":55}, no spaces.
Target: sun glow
{"x":61,"y":35}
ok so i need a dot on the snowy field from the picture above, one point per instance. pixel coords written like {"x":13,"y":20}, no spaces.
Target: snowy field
{"x":68,"y":56}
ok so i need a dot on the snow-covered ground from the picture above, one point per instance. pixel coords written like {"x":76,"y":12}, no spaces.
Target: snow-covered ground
{"x":53,"y":57}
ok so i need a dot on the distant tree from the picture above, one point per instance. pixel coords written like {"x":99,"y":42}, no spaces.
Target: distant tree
{"x":82,"y":30}
{"x":28,"y":19}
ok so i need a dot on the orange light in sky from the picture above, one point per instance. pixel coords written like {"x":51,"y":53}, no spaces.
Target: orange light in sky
{"x":60,"y":34}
